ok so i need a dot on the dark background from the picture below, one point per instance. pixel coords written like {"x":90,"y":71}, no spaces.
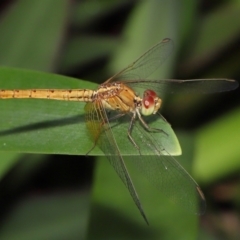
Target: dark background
{"x":77,"y":197}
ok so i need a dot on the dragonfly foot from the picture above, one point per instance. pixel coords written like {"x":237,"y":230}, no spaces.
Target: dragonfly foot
{"x":158,"y":130}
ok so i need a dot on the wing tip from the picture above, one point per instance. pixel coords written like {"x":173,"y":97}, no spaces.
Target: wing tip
{"x":202,"y":201}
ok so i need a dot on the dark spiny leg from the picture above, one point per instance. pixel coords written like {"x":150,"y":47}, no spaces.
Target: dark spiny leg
{"x":149,"y":128}
{"x":116,"y":117}
{"x":130,"y":132}
{"x":164,"y":119}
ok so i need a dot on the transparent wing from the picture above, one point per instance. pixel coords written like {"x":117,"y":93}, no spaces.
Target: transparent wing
{"x":160,"y":168}
{"x":136,"y":73}
{"x":168,"y":86}
{"x":164,"y":171}
{"x":101,"y":133}
{"x":146,"y":64}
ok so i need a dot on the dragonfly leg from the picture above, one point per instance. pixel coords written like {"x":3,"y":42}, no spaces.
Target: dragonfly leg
{"x":149,"y":128}
{"x":116,"y":117}
{"x":164,"y":119}
{"x":130,"y":132}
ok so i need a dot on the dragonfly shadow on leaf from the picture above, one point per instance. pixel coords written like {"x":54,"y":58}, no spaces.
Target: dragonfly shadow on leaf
{"x":76,"y":119}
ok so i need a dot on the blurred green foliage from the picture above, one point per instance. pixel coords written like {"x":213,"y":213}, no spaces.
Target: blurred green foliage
{"x":44,"y":198}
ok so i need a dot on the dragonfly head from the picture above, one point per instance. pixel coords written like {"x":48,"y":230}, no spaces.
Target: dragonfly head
{"x":150,"y":103}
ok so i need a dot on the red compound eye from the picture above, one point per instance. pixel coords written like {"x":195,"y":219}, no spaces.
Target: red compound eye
{"x":148,"y":101}
{"x":149,"y":93}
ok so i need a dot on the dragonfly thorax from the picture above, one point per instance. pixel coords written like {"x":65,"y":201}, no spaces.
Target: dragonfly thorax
{"x":120,"y":97}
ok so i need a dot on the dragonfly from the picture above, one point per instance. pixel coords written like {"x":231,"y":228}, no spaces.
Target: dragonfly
{"x":131,"y":100}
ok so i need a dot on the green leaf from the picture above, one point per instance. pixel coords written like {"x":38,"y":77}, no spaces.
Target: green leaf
{"x":224,"y":17}
{"x":217,"y":148}
{"x":31,"y":33}
{"x":217,"y":31}
{"x":48,"y":126}
{"x":42,"y":126}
